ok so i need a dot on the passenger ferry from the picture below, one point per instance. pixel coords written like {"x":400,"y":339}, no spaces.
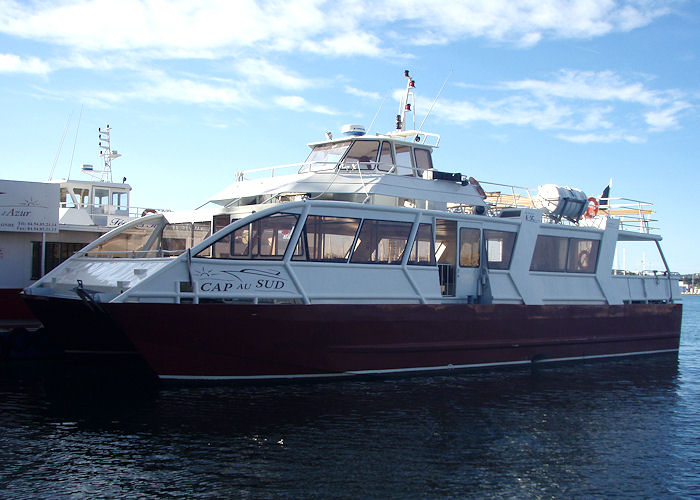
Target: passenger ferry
{"x":365,"y":259}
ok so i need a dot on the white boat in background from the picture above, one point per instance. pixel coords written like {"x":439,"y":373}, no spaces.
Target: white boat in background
{"x":43,"y":223}
{"x":365,"y":259}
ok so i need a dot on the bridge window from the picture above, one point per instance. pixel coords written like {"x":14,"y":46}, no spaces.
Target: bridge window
{"x":469,"y":244}
{"x":404,"y":164}
{"x":82,"y":195}
{"x":362,"y":153}
{"x":423,"y":251}
{"x":423,"y":160}
{"x":328,"y":153}
{"x":326,"y":239}
{"x":119,"y":200}
{"x":386,"y":157}
{"x":101,"y":197}
{"x":381,"y":242}
{"x":499,"y":248}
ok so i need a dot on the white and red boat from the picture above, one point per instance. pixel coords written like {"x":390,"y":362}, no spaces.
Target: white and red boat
{"x":367,"y":260}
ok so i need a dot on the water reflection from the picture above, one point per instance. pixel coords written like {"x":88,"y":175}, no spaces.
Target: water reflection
{"x":594,"y":428}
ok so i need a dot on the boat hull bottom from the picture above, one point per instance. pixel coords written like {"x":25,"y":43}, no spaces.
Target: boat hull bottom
{"x":76,"y":327}
{"x":262,"y":342}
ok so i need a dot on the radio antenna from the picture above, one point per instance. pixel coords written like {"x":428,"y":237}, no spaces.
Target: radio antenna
{"x":377,"y":113}
{"x":435,"y":100}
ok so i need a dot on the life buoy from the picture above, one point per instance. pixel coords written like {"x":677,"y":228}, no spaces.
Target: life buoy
{"x":478,"y":187}
{"x":592,"y":209}
{"x":147,"y":211}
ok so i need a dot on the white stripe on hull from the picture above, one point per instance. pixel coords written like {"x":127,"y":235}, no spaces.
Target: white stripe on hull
{"x":401,"y":370}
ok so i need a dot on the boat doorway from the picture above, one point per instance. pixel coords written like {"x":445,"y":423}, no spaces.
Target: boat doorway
{"x":446,"y":255}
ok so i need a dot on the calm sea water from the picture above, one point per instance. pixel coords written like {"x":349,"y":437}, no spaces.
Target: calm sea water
{"x":626,"y":428}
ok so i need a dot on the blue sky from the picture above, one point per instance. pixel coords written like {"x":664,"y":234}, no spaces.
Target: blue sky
{"x":571,"y":92}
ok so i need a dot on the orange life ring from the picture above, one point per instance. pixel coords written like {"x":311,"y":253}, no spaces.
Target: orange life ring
{"x":147,"y":211}
{"x":478,"y":187}
{"x":592,"y":209}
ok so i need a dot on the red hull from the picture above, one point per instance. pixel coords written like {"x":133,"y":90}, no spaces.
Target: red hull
{"x":13,"y":312}
{"x":280,"y":341}
{"x":76,"y":327}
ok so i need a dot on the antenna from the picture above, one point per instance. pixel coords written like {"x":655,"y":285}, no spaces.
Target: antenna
{"x":70,"y":166}
{"x":377,"y":113}
{"x":107,"y":155}
{"x":60,"y":146}
{"x":404,"y":105}
{"x":435,"y":100}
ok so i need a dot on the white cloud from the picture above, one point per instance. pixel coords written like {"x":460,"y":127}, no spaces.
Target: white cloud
{"x":570,"y":103}
{"x":591,"y":85}
{"x":260,"y":72}
{"x":298,"y":103}
{"x":665,"y":118}
{"x":216,"y":28}
{"x":523,"y":23}
{"x":11,"y":63}
{"x":601,"y":138}
{"x":361,"y":93}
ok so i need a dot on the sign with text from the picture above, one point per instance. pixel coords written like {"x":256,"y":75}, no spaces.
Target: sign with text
{"x":29,"y":206}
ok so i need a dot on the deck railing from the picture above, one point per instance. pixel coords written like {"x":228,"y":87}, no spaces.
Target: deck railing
{"x":634,"y":215}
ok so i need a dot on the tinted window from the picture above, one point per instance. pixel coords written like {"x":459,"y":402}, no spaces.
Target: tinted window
{"x":381,"y":242}
{"x":499,"y":248}
{"x":469,"y":246}
{"x":557,"y":254}
{"x":423,"y":251}
{"x":265,"y":238}
{"x":326,"y":239}
{"x":550,"y":254}
{"x":583,"y":255}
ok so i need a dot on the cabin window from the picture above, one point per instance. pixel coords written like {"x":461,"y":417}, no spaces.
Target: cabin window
{"x":142,"y":240}
{"x":328,"y":153}
{"x":326,"y":239}
{"x":222,"y":247}
{"x":55,"y":252}
{"x":82,"y":195}
{"x":386,"y":157}
{"x":499,"y":248}
{"x":362,"y":153}
{"x":119,"y":200}
{"x":265,"y":238}
{"x":175,"y":237}
{"x":550,"y":254}
{"x":66,"y":200}
{"x":381,"y":242}
{"x":423,"y":160}
{"x":200,"y":232}
{"x":423,"y":251}
{"x":583,"y":255}
{"x":557,"y":254}
{"x":469,"y":245}
{"x":101,"y":197}
{"x":404,"y":164}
